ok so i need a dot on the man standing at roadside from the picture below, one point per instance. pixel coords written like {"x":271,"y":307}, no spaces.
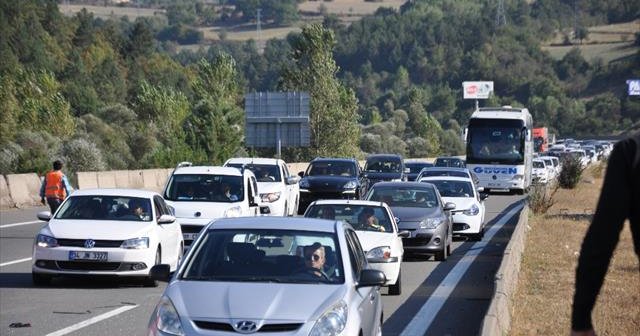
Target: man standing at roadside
{"x":619,"y":200}
{"x":55,"y":187}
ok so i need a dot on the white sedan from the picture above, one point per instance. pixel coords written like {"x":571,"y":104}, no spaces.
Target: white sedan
{"x":377,"y":231}
{"x":119,"y":232}
{"x":468,"y":218}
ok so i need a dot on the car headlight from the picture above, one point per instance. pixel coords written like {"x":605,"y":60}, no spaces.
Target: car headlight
{"x":396,"y":180}
{"x":166,"y":318}
{"x":332,"y":322}
{"x":431,"y":223}
{"x":350,"y":185}
{"x":136,"y":243}
{"x":380,"y":252}
{"x":518,"y":177}
{"x":233,"y":212}
{"x":270,"y":197}
{"x":304,"y":183}
{"x":46,"y":241}
{"x":472,"y":211}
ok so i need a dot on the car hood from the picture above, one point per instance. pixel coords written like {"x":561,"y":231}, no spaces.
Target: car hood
{"x":252,"y":301}
{"x":370,"y":239}
{"x":207,"y":210}
{"x":328,"y":182}
{"x":407,"y":214}
{"x":98,"y":229}
{"x":270,"y":187}
{"x":383,"y":176}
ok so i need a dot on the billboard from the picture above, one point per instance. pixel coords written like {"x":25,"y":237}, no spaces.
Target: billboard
{"x":275,"y":119}
{"x":477,"y":90}
{"x":633,"y":87}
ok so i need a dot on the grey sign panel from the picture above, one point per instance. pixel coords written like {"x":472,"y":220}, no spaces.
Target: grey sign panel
{"x":277,"y":118}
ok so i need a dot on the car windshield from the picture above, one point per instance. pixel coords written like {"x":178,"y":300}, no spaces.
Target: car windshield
{"x":263,"y":172}
{"x":412,"y":197}
{"x":361,"y":217}
{"x":548,"y":162}
{"x":205,"y":188}
{"x":383,"y":165}
{"x":97,"y":207}
{"x":538,"y":164}
{"x":264,"y":255}
{"x":449,"y":188}
{"x":331,"y":168}
{"x":415,"y":168}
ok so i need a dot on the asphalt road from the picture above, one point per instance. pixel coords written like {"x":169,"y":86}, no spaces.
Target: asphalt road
{"x":438,"y":298}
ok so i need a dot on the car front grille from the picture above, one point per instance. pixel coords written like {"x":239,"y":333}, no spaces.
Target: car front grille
{"x":221,"y":326}
{"x":460,"y":226}
{"x":80,"y":243}
{"x":88,"y":265}
{"x":191,"y":228}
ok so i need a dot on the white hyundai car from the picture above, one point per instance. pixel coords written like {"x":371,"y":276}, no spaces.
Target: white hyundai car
{"x":378,"y":235}
{"x":468,"y":216}
{"x":121,"y":232}
{"x":253,"y":275}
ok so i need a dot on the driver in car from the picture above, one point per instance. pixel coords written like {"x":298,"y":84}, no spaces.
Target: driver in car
{"x":314,"y":259}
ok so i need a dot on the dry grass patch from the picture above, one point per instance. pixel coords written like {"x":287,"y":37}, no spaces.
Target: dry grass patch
{"x":349,"y":7}
{"x":542,"y":304}
{"x":106,"y":12}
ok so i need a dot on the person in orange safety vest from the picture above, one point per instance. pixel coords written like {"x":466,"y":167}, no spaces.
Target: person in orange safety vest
{"x":55,"y":187}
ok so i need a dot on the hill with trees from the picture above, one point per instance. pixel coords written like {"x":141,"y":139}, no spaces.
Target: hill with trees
{"x":115,"y":94}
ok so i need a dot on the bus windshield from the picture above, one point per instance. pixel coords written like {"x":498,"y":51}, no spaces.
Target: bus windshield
{"x":495,"y":141}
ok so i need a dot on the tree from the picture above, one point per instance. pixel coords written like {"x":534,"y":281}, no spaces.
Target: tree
{"x":333,"y":116}
{"x":581,"y":33}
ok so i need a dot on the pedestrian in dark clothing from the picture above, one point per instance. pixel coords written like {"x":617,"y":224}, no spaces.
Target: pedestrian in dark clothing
{"x":619,"y":200}
{"x":55,"y":187}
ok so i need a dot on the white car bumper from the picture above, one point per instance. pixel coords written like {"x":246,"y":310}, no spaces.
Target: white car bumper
{"x":390,"y":268}
{"x":464,"y":224}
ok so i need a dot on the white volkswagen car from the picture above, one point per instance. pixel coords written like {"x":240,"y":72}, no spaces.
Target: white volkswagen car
{"x":251,"y":275}
{"x":468,"y":216}
{"x":377,"y":230}
{"x":121,"y":232}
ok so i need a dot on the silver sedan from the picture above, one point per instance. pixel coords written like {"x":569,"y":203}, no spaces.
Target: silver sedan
{"x":284,"y":276}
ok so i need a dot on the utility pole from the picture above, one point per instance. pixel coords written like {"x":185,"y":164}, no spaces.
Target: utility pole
{"x":501,"y":18}
{"x":258,"y":28}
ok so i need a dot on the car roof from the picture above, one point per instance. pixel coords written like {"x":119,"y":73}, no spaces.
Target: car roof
{"x":115,"y":192}
{"x":276,"y":222}
{"x":395,"y":156}
{"x":247,"y":160}
{"x":212,"y":170}
{"x":344,"y":201}
{"x":449,"y":157}
{"x":459,"y":169}
{"x":333,"y":159}
{"x":401,"y":184}
{"x":448,"y":178}
{"x":418,"y":162}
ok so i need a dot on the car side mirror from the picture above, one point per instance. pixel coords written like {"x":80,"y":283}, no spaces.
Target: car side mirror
{"x":370,"y":278}
{"x":166,"y":219}
{"x":484,"y":196}
{"x":404,"y":234}
{"x":292,"y":179}
{"x":44,"y":216}
{"x":160,"y":272}
{"x":449,"y":206}
{"x":480,"y":189}
{"x":265,"y":210}
{"x":301,"y":174}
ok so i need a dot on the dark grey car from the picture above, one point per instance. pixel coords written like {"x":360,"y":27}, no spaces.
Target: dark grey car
{"x":419,"y":210}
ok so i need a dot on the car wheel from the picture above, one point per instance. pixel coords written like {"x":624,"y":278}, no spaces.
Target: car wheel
{"x":396,"y":289}
{"x":148,"y":282}
{"x":449,"y":247}
{"x":441,"y":255}
{"x":40,"y":279}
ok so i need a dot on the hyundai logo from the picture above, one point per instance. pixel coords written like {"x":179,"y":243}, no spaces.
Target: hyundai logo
{"x":246,"y":327}
{"x":89,"y":243}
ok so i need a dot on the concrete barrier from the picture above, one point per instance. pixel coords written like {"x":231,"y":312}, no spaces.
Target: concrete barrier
{"x":497,"y":320}
{"x":5,"y":196}
{"x":107,"y":179}
{"x":24,"y":189}
{"x":155,"y":179}
{"x":87,"y":180}
{"x":135,"y":179}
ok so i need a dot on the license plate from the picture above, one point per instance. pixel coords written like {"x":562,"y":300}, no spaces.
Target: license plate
{"x":493,"y":184}
{"x":85,"y":255}
{"x":189,"y":236}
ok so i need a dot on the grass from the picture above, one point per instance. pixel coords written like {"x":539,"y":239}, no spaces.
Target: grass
{"x":607,"y":42}
{"x":106,"y":12}
{"x":542,"y":304}
{"x":349,"y":7}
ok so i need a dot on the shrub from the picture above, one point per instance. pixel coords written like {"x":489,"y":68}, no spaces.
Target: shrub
{"x":82,"y":155}
{"x":541,"y":198}
{"x":571,"y":172}
{"x":9,"y":156}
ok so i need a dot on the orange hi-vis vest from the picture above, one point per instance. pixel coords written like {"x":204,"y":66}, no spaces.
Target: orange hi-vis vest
{"x":54,"y":187}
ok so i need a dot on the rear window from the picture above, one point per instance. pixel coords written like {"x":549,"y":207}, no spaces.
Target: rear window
{"x":444,"y":173}
{"x":263,"y":172}
{"x":356,"y":215}
{"x":383,"y":165}
{"x":205,"y":188}
{"x":331,"y":168}
{"x":412,"y":197}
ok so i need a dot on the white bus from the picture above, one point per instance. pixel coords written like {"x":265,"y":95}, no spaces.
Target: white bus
{"x":500,"y":148}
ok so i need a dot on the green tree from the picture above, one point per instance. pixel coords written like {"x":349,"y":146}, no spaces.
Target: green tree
{"x":333,"y":116}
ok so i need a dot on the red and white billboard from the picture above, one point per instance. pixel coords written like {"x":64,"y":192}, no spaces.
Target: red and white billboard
{"x":477,"y":90}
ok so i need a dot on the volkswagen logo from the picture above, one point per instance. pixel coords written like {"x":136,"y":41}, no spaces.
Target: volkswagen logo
{"x":89,"y":243}
{"x":246,"y":327}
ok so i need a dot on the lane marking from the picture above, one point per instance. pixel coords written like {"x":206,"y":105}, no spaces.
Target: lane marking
{"x":19,"y":224}
{"x":427,"y":313}
{"x":91,"y":321}
{"x":15,"y":262}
